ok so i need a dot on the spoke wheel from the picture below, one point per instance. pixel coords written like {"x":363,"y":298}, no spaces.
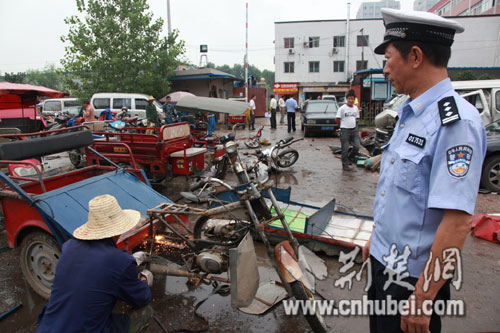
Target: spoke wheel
{"x":287,"y":158}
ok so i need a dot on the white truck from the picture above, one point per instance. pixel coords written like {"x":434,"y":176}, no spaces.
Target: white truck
{"x":484,"y":95}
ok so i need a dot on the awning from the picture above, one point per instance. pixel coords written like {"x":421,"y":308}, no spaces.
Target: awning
{"x":24,"y":89}
{"x":208,"y":104}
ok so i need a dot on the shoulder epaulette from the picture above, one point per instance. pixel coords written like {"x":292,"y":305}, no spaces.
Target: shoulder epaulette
{"x":448,"y":111}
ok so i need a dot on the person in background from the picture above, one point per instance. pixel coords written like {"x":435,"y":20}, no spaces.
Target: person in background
{"x":92,"y":274}
{"x":291,"y":106}
{"x":152,"y":115}
{"x":169,"y":111}
{"x":346,"y":119}
{"x":273,"y":104}
{"x":252,"y":113}
{"x":429,"y":176}
{"x":281,"y":105}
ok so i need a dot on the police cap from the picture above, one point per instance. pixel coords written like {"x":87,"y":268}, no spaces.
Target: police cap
{"x":417,"y":26}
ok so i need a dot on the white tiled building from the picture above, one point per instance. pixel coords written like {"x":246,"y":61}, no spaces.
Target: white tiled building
{"x":313,"y":54}
{"x":372,"y":9}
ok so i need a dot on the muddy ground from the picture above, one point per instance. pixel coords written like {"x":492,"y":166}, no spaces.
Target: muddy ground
{"x":316,"y":178}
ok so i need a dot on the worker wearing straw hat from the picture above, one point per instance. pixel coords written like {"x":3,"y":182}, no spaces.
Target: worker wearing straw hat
{"x":92,"y":274}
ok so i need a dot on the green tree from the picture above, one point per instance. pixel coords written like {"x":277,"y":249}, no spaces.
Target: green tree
{"x":15,"y":77}
{"x":485,"y":76}
{"x":116,"y":46}
{"x":464,"y":76}
{"x":50,"y":77}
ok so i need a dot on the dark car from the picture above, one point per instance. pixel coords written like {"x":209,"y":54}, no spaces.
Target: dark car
{"x":490,"y":178}
{"x":319,"y":117}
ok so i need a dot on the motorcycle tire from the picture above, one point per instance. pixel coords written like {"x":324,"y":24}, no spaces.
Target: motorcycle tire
{"x":287,"y":158}
{"x":316,"y":321}
{"x":221,"y":168}
{"x":77,"y":158}
{"x":252,"y":143}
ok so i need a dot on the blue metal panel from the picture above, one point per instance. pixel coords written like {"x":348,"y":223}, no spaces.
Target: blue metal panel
{"x":67,"y":206}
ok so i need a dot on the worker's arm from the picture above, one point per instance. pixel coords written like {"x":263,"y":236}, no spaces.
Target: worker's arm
{"x":338,"y":121}
{"x":450,"y":234}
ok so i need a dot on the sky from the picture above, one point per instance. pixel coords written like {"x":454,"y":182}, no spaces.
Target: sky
{"x":30,"y":30}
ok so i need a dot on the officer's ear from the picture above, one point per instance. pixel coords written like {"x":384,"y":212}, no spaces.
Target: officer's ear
{"x":416,"y":56}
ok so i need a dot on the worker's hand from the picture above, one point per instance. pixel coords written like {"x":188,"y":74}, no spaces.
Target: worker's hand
{"x":141,"y":257}
{"x":147,"y":276}
{"x":418,"y":322}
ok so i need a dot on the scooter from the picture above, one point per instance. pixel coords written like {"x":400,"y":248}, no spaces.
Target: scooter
{"x":277,"y":156}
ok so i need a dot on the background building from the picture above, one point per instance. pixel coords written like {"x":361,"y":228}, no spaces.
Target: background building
{"x":424,"y":5}
{"x":315,"y":58}
{"x":466,"y":7}
{"x":372,"y":9}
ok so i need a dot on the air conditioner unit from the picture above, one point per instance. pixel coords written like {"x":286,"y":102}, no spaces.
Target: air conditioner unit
{"x":291,"y":51}
{"x":306,"y":44}
{"x":335,"y":50}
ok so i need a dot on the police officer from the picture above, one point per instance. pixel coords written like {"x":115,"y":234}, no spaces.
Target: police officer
{"x":430,"y":171}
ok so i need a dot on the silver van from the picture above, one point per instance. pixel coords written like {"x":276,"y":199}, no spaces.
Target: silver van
{"x":135,"y":104}
{"x":52,"y":105}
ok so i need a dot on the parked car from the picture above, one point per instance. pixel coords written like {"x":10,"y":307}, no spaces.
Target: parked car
{"x":319,"y":116}
{"x":490,"y":177}
{"x":329,"y":97}
{"x":52,"y":105}
{"x":135,"y":104}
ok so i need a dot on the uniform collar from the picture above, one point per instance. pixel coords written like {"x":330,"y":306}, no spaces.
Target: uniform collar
{"x":422,"y":102}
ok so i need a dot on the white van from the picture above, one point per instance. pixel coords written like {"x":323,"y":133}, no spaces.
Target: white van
{"x":53,"y":105}
{"x":484,"y":95}
{"x":135,"y":103}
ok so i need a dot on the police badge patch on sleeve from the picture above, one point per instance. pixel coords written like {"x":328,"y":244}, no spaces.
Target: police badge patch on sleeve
{"x":458,"y":159}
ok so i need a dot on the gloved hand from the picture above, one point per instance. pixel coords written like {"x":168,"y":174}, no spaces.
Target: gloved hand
{"x":148,"y":275}
{"x":141,"y":257}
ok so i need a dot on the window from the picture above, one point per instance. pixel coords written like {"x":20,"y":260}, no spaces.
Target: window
{"x":68,"y":104}
{"x":289,"y":43}
{"x":338,"y":41}
{"x":362,"y":40}
{"x":101,"y":103}
{"x":313,"y":42}
{"x":289,"y":67}
{"x":361,"y":65}
{"x":119,"y":103}
{"x":52,"y":106}
{"x":140,"y":104}
{"x":313,"y":66}
{"x":338,"y":66}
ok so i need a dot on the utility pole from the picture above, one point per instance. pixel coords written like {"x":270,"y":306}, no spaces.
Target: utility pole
{"x":168,"y":17}
{"x":347,"y":39}
{"x":246,"y":54}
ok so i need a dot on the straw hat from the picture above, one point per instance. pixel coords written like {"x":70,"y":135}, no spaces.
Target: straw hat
{"x":151,"y":98}
{"x":106,"y":219}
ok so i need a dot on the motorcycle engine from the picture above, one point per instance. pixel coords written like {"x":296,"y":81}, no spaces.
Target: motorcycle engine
{"x":213,"y":261}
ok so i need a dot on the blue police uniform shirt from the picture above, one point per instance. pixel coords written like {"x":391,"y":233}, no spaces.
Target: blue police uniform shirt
{"x":426,"y":167}
{"x":290,"y":104}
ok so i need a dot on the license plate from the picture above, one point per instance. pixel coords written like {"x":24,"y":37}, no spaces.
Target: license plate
{"x":327,"y":128}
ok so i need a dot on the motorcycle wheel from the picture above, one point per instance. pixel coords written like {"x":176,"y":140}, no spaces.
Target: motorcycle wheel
{"x":77,"y":158}
{"x":316,"y":321}
{"x":39,"y":256}
{"x":252,"y":143}
{"x":221,"y":168}
{"x":287,"y":158}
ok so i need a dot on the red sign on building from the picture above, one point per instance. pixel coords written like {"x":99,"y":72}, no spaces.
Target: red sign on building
{"x":285,"y":88}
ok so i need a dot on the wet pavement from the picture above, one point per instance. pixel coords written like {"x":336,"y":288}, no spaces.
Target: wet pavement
{"x":316,"y":178}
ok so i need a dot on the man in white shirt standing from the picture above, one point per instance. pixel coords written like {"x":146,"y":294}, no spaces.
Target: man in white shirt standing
{"x":272,"y":106}
{"x":281,"y":104}
{"x":346,"y":119}
{"x":252,"y":113}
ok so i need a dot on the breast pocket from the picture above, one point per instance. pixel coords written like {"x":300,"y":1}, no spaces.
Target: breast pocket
{"x":410,"y":170}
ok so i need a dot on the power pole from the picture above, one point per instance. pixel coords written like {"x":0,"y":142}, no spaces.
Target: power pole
{"x":246,"y":54}
{"x":362,"y":48}
{"x":168,"y":17}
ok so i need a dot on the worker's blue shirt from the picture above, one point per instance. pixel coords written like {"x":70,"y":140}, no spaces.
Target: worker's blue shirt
{"x":90,"y":277}
{"x":290,"y":104}
{"x":426,"y":168}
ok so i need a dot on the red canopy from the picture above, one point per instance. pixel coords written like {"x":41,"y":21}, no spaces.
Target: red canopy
{"x":28,"y":89}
